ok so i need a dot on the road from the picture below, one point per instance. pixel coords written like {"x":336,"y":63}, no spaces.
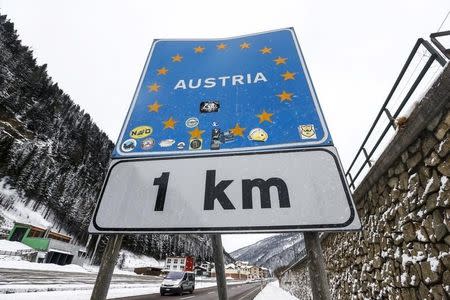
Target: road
{"x":35,"y":277}
{"x":235,"y":292}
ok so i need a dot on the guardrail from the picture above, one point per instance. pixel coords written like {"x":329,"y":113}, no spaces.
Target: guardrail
{"x":17,"y":252}
{"x":353,"y":172}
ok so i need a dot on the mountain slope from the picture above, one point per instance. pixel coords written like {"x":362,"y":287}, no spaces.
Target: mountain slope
{"x":55,"y":157}
{"x":272,"y":252}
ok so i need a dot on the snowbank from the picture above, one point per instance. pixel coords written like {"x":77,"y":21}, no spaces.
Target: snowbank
{"x":273,"y":291}
{"x":6,"y":245}
{"x":129,"y":261}
{"x":26,"y":265}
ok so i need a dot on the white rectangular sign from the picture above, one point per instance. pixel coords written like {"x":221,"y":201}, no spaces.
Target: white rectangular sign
{"x":274,"y":191}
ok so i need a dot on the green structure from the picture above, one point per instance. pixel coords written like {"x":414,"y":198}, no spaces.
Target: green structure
{"x":52,"y":247}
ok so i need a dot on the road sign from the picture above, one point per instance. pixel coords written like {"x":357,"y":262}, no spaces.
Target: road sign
{"x":271,"y":191}
{"x":240,"y":94}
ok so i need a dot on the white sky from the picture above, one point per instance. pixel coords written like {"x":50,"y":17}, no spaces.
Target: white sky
{"x":95,"y":50}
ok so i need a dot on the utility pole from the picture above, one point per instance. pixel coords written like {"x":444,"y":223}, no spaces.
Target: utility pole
{"x":219,"y":266}
{"x":316,"y":267}
{"x":107,"y":265}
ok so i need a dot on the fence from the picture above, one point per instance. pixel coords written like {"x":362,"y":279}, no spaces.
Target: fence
{"x":366,"y":154}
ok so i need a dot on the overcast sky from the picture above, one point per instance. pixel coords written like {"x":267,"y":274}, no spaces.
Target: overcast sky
{"x":354,"y":50}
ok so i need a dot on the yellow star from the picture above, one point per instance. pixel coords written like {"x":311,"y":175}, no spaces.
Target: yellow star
{"x":280,"y":60}
{"x":199,"y":49}
{"x":245,"y":45}
{"x":162,"y":71}
{"x":154,"y":87}
{"x":237,"y":130}
{"x":196,"y":133}
{"x":154,"y":107}
{"x":264,"y":116}
{"x":221,"y":46}
{"x":288,"y":75}
{"x":169,"y":123}
{"x":285,"y":96}
{"x":177,"y":58}
{"x":266,"y":50}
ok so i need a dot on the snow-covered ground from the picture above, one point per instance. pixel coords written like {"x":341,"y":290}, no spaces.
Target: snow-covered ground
{"x":130,"y":261}
{"x":273,"y":291}
{"x":26,"y":265}
{"x":9,"y":246}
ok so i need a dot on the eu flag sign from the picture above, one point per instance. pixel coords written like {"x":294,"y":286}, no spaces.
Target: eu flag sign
{"x":225,"y":135}
{"x":245,"y":93}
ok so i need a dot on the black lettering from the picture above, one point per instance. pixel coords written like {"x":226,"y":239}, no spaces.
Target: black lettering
{"x":213,"y":192}
{"x":162,"y":183}
{"x":264,"y":190}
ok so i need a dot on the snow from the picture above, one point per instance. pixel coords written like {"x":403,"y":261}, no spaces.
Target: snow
{"x":130,"y":261}
{"x":434,"y":263}
{"x":26,"y":265}
{"x":6,"y":245}
{"x":273,"y":291}
{"x":19,"y":212}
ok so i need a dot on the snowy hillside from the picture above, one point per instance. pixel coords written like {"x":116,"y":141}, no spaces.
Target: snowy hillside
{"x":272,"y":252}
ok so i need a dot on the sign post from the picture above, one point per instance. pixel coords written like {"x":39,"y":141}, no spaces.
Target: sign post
{"x":225,"y":136}
{"x":316,"y":267}
{"x":219,"y":266}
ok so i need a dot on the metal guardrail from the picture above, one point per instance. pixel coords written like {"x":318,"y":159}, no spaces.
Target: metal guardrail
{"x":434,"y":36}
{"x":367,"y":154}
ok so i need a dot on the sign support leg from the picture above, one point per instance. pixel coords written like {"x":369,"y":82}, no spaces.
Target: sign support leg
{"x":316,"y":267}
{"x":107,"y":265}
{"x":219,"y":266}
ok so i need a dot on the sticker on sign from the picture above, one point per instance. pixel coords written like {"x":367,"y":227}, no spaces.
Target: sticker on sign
{"x":272,"y":191}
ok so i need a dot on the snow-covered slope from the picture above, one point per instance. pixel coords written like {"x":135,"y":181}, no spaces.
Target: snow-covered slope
{"x":272,"y":252}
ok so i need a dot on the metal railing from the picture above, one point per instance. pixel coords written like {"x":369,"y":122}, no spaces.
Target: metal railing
{"x":367,"y":154}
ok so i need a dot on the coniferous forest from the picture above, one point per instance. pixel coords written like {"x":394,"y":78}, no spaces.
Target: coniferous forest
{"x":52,"y":151}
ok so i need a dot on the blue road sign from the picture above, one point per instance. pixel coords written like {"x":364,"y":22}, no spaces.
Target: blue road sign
{"x":239,"y":94}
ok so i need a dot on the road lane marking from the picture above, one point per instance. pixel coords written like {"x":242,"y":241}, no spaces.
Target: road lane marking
{"x":243,"y":297}
{"x":188,"y":297}
{"x":211,"y":292}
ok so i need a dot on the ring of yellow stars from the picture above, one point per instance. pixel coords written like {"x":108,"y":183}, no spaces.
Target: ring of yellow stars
{"x":264,"y":116}
{"x":266,"y":50}
{"x":154,"y":107}
{"x":196,"y":133}
{"x":162,"y":71}
{"x":177,"y":58}
{"x":199,"y":49}
{"x":221,"y":46}
{"x":237,"y":130}
{"x":288,"y":75}
{"x":280,"y":60}
{"x":285,"y":96}
{"x":170,"y":123}
{"x":245,"y":45}
{"x":154,"y":87}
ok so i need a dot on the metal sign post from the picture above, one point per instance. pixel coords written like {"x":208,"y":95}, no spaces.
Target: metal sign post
{"x":219,"y":266}
{"x":316,"y":267}
{"x":106,"y":269}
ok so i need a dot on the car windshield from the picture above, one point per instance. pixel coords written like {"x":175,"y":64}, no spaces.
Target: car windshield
{"x":175,"y":275}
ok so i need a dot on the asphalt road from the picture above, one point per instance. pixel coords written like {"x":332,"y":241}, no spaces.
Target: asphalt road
{"x":235,"y":292}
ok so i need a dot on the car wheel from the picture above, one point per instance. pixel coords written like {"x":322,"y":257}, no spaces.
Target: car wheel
{"x":162,"y":294}
{"x":181,"y":292}
{"x":191,"y":291}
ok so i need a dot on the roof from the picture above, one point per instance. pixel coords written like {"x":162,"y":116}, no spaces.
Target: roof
{"x":37,"y":228}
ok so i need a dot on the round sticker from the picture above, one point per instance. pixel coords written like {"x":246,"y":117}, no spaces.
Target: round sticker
{"x":147,"y":144}
{"x":195,"y":144}
{"x":181,"y":145}
{"x":129,"y":145}
{"x":192,"y":122}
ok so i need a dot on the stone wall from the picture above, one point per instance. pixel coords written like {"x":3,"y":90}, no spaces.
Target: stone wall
{"x":295,"y":275}
{"x":403,"y":249}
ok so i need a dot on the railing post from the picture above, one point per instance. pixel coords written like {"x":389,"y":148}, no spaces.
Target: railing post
{"x":367,"y":157}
